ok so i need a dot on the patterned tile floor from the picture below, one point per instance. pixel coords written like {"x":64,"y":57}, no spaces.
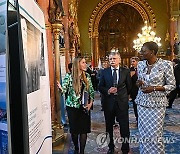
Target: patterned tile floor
{"x":96,"y":142}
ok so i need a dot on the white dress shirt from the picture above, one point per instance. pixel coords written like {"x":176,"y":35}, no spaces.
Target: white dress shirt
{"x":117,"y":72}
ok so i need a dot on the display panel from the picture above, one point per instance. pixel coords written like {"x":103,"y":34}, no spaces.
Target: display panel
{"x":3,"y":100}
{"x":37,"y":77}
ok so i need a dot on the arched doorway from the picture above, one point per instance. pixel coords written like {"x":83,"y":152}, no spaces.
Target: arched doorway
{"x":117,"y":9}
{"x":118,"y":28}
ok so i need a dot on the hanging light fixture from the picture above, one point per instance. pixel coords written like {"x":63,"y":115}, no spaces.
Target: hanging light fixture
{"x":147,"y":35}
{"x":114,"y":49}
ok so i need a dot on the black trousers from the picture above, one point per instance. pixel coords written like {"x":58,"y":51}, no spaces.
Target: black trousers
{"x":172,"y":96}
{"x":102,"y":101}
{"x":122,"y":117}
{"x":135,"y":109}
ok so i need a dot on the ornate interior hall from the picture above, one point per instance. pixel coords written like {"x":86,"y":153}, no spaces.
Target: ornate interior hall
{"x":94,"y":28}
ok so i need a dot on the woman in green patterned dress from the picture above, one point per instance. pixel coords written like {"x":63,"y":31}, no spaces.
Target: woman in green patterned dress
{"x":76,"y":85}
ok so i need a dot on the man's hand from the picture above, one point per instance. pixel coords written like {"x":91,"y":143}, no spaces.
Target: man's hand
{"x":112,"y":90}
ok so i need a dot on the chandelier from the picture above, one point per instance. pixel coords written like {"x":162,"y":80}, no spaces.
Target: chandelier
{"x":114,"y":50}
{"x":147,"y":35}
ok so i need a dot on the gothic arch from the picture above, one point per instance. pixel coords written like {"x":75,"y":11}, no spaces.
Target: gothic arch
{"x":141,"y":6}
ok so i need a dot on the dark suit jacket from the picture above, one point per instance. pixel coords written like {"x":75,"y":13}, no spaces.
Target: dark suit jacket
{"x":177,"y":74}
{"x":124,"y":87}
{"x":134,"y":89}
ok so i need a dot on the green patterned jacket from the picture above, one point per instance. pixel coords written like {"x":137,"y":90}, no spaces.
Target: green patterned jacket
{"x":72,"y":99}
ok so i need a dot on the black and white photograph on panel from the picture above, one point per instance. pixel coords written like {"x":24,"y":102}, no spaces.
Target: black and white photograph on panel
{"x":42,"y":63}
{"x":31,"y":37}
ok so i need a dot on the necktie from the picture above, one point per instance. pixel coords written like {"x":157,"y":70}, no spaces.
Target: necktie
{"x":114,"y":76}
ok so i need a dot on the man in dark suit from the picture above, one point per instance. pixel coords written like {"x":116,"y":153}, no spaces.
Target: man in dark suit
{"x":134,"y":90}
{"x":115,"y":85}
{"x":105,"y":64}
{"x":173,"y":94}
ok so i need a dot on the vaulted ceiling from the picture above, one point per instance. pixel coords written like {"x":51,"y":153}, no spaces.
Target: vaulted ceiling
{"x":118,"y":27}
{"x":116,"y":23}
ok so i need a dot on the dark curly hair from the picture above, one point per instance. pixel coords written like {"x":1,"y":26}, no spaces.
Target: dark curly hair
{"x":151,"y":46}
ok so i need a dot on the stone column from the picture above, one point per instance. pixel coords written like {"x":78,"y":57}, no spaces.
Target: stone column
{"x":95,"y":48}
{"x":66,"y":35}
{"x":57,"y":127}
{"x":178,"y":25}
{"x":173,"y":31}
{"x":178,"y":30}
{"x":51,"y":70}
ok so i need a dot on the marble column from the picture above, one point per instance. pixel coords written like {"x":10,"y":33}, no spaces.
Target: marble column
{"x":56,"y":30}
{"x":57,"y":127}
{"x":95,"y":48}
{"x":178,"y":31}
{"x":65,"y":22}
{"x":173,"y":31}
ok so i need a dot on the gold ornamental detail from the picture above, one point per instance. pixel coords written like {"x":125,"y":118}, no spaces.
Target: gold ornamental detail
{"x":56,"y":29}
{"x":48,"y":26}
{"x":174,"y":18}
{"x":141,"y":6}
